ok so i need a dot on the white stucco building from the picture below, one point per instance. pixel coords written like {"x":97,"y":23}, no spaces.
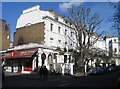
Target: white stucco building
{"x":113,"y":47}
{"x":58,"y":34}
{"x":58,"y":31}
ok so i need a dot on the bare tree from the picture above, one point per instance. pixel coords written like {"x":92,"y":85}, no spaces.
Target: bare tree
{"x":116,"y":17}
{"x":85,"y":27}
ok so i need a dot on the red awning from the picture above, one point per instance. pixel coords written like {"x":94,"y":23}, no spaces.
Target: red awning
{"x":27,"y":53}
{"x":8,"y":55}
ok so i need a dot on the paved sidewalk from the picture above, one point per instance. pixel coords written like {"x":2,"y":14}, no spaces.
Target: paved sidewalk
{"x":78,"y":74}
{"x":36,"y":76}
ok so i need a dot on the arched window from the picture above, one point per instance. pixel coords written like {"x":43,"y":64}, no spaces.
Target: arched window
{"x":50,"y":59}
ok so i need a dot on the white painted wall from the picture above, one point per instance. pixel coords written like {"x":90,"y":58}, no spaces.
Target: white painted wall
{"x":34,"y":15}
{"x":114,"y":44}
{"x":30,"y":16}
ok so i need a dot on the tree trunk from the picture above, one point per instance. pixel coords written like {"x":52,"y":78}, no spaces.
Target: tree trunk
{"x":81,"y":62}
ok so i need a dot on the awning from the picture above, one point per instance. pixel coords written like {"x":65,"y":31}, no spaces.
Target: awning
{"x":27,"y":53}
{"x":8,"y":55}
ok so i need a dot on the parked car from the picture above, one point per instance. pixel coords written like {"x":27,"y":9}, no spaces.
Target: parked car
{"x":110,"y":68}
{"x":95,"y":70}
{"x":105,"y":69}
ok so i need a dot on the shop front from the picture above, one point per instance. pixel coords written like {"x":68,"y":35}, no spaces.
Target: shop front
{"x":20,"y":60}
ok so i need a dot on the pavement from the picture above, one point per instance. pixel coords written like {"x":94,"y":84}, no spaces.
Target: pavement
{"x":78,"y":74}
{"x":36,"y":76}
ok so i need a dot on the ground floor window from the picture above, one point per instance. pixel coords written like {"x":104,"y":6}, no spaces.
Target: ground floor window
{"x":65,"y":58}
{"x":8,"y":63}
{"x":27,"y":64}
{"x":16,"y":64}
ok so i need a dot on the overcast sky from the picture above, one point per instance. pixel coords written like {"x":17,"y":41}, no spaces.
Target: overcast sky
{"x":12,"y":10}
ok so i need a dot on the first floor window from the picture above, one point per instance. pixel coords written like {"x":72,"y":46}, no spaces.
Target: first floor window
{"x":51,"y":27}
{"x":115,"y":49}
{"x":51,"y":41}
{"x":59,"y":41}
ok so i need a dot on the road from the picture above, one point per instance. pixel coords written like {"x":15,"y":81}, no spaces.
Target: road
{"x":104,"y":80}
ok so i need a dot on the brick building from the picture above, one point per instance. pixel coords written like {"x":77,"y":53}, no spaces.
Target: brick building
{"x":5,"y":35}
{"x":29,"y":34}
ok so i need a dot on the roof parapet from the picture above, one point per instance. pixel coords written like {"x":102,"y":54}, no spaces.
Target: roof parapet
{"x":37,"y":7}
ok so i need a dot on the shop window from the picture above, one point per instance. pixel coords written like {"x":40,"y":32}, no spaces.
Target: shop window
{"x":28,"y":65}
{"x":8,"y":62}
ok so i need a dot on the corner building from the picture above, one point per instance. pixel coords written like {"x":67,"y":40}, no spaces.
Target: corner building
{"x":44,"y":32}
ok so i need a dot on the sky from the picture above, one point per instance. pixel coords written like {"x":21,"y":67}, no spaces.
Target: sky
{"x":12,"y":10}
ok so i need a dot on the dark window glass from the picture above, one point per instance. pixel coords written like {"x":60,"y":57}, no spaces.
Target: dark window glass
{"x":115,"y":49}
{"x":59,"y":29}
{"x":51,"y":27}
{"x":55,"y":55}
{"x":65,"y":32}
{"x":65,"y":58}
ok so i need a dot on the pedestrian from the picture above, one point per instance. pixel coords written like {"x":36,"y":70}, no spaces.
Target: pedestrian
{"x":45,"y":72}
{"x":40,"y":72}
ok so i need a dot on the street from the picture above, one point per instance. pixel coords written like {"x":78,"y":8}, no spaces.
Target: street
{"x":33,"y":80}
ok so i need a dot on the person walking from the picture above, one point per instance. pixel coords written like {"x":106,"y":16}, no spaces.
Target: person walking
{"x":40,"y":72}
{"x":45,"y":73}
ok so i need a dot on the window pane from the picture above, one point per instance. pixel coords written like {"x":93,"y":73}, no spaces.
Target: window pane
{"x":51,"y":27}
{"x":59,"y":29}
